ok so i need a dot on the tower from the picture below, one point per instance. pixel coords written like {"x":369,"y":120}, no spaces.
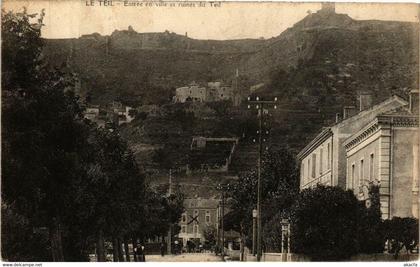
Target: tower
{"x":328,"y":7}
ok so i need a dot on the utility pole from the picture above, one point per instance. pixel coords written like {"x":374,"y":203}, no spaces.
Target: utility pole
{"x":259,"y":104}
{"x":169,"y":245}
{"x":223,"y":229}
{"x":222,"y":188}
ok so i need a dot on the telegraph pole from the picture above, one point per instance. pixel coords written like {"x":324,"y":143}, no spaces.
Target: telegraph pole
{"x":223,"y":228}
{"x":259,"y":104}
{"x":222,"y":188}
{"x":169,"y":245}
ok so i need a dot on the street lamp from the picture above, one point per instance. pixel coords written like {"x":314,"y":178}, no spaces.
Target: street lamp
{"x":259,"y":104}
{"x":254,"y":231}
{"x":285,"y":233}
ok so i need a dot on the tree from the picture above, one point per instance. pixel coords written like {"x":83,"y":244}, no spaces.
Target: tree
{"x":324,"y":223}
{"x":401,"y":232}
{"x":279,"y":189}
{"x":59,"y":172}
{"x":371,"y":236}
{"x":43,"y":135}
{"x":209,"y":234}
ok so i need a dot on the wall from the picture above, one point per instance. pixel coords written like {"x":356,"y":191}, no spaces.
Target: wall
{"x":350,"y":126}
{"x":404,"y":139}
{"x":194,"y":92}
{"x":365,"y":152}
{"x":378,"y":146}
{"x":322,"y":173}
{"x":202,"y":225}
{"x":274,"y":257}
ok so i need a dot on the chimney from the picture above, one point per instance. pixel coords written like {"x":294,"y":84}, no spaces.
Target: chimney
{"x":414,"y":101}
{"x":349,"y":111}
{"x":365,"y":101}
{"x":337,"y":117}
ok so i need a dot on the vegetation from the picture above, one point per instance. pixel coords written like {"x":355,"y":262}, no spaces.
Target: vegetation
{"x":279,"y":188}
{"x":330,"y":224}
{"x":324,"y":223}
{"x":400,"y":233}
{"x":67,"y":186}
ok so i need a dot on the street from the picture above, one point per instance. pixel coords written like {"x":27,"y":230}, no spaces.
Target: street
{"x":185,"y":257}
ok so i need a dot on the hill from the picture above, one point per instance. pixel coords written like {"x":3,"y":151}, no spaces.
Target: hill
{"x":145,"y":67}
{"x":315,"y":68}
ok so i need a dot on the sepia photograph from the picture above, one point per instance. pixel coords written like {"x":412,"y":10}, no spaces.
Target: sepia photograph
{"x":209,"y":131}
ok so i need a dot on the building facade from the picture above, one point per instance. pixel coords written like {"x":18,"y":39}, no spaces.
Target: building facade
{"x":217,"y":91}
{"x":386,"y":152}
{"x":214,"y":91}
{"x":191,"y":93}
{"x":323,"y":160}
{"x":379,"y":145}
{"x":200,"y":214}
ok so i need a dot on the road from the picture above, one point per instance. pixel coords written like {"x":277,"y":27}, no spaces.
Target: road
{"x":185,"y":257}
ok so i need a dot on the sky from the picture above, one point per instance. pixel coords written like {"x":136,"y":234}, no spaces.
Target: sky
{"x":230,"y":20}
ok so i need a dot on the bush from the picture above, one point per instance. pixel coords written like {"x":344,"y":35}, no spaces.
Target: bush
{"x":401,"y":232}
{"x":325,"y":223}
{"x":371,"y":236}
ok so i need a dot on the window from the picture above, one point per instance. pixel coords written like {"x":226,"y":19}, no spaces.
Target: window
{"x":302,"y":173}
{"x":207,"y":216}
{"x":362,"y":174}
{"x":320,"y":161}
{"x":351,"y":185}
{"x":195,"y":213}
{"x":313,"y":165}
{"x":328,"y":156}
{"x":195,"y":229}
{"x":184,"y":229}
{"x":309,"y":168}
{"x":371,"y":167}
{"x":184,"y":218}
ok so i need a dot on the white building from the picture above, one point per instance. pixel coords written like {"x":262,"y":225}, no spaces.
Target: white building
{"x":191,"y":93}
{"x":323,"y":160}
{"x":386,"y":152}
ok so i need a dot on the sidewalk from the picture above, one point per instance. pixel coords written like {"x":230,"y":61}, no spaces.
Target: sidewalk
{"x":185,"y":257}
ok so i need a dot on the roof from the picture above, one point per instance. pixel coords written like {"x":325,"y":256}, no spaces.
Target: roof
{"x":398,"y":118}
{"x":320,"y":138}
{"x":201,"y":203}
{"x":327,"y":131}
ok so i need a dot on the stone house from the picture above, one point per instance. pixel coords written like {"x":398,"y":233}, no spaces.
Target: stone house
{"x":199,"y":215}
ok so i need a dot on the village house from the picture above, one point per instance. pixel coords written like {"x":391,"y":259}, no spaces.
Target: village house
{"x":386,"y":152}
{"x":190,"y":93}
{"x":200,"y":214}
{"x":218,"y":91}
{"x":214,"y":91}
{"x":91,"y":112}
{"x":323,"y":160}
{"x":115,"y":112}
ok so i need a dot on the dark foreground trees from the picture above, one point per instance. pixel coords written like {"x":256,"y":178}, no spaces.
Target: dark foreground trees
{"x":325,"y":224}
{"x":67,"y":186}
{"x":400,"y":233}
{"x":331,"y":224}
{"x":279,"y":188}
